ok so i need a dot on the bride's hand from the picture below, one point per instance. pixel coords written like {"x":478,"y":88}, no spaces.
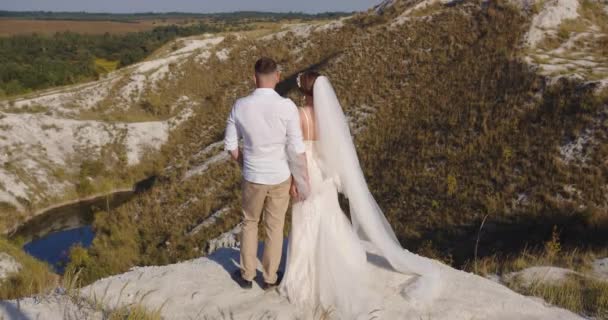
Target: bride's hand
{"x":293,"y":191}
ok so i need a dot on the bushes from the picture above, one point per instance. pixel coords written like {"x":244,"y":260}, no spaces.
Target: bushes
{"x":89,"y":170}
{"x":92,"y":168}
{"x":114,"y":249}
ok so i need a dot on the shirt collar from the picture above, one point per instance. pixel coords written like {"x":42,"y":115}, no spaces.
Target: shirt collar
{"x":264,"y":91}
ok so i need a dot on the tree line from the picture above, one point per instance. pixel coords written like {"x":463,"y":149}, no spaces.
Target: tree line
{"x":126,"y":17}
{"x":33,"y":62}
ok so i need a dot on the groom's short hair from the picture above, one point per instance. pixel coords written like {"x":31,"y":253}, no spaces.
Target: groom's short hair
{"x":265,"y":66}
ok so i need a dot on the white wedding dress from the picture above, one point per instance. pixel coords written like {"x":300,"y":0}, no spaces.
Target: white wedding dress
{"x":326,"y":262}
{"x":327,"y":266}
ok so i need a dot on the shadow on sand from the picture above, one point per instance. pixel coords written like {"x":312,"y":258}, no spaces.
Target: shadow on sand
{"x":511,"y":235}
{"x":229,"y":259}
{"x":12,"y":310}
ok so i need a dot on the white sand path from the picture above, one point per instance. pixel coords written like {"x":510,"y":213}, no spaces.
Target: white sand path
{"x":204,"y":286}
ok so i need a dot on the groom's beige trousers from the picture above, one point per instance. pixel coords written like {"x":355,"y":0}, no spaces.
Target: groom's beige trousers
{"x":271,"y":203}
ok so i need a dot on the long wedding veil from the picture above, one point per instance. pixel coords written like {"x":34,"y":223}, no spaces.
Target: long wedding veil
{"x":339,"y":160}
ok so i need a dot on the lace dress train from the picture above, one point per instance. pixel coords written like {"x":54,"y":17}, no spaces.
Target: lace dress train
{"x":327,"y":267}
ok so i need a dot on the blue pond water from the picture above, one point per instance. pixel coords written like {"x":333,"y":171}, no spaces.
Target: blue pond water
{"x":54,"y":248}
{"x":49,"y":236}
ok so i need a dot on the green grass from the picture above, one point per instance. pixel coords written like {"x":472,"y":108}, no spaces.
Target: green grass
{"x":34,"y":276}
{"x":105,"y":66}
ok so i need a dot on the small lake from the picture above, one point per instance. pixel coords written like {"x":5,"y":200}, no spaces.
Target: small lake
{"x":50,"y":235}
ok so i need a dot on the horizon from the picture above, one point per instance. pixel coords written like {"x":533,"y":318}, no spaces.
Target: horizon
{"x":187,"y":6}
{"x":174,"y":12}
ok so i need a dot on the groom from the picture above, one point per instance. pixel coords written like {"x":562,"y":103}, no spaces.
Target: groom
{"x":270,"y":128}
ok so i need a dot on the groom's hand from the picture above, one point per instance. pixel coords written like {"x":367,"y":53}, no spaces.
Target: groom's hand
{"x":237,"y":156}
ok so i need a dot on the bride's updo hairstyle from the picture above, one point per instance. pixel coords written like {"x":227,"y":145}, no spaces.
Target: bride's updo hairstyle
{"x":306,"y":82}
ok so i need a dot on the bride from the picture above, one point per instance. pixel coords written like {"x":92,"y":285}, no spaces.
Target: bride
{"x":327,"y":264}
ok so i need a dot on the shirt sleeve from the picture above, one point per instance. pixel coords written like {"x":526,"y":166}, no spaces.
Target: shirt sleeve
{"x":295,"y":141}
{"x":231,"y":138}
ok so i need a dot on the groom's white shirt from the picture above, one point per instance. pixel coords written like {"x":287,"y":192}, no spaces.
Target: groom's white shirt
{"x":268,"y":124}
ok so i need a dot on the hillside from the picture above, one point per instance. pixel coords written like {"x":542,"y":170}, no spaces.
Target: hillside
{"x":52,"y":139}
{"x":481,"y":128}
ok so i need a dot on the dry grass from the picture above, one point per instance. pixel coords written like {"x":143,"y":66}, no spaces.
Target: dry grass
{"x":594,"y":11}
{"x":82,"y":305}
{"x":570,"y":26}
{"x":582,"y":295}
{"x":550,"y":253}
{"x":583,"y":292}
{"x":33,"y":277}
{"x":537,"y":6}
{"x":29,"y":108}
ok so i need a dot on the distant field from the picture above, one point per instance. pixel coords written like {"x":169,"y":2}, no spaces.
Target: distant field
{"x":10,"y":26}
{"x":39,"y":50}
{"x":40,"y":22}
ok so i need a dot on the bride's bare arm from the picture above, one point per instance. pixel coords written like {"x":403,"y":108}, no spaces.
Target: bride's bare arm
{"x":297,"y":156}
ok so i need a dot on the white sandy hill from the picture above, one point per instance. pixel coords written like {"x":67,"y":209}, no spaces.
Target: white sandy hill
{"x":551,"y":16}
{"x":44,"y":137}
{"x":203,"y":287}
{"x":563,"y":40}
{"x":34,"y":146}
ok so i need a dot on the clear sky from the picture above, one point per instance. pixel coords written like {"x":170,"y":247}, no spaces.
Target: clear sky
{"x":129,"y":6}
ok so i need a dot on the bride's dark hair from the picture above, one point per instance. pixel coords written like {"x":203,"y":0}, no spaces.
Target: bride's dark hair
{"x":306,"y":82}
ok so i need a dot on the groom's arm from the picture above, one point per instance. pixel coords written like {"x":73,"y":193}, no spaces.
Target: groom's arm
{"x":231,"y":138}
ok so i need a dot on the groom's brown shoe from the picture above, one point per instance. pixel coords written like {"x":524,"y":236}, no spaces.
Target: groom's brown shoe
{"x":270,"y":286}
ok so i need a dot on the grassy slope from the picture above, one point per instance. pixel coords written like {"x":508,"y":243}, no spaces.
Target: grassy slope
{"x":476,"y":129}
